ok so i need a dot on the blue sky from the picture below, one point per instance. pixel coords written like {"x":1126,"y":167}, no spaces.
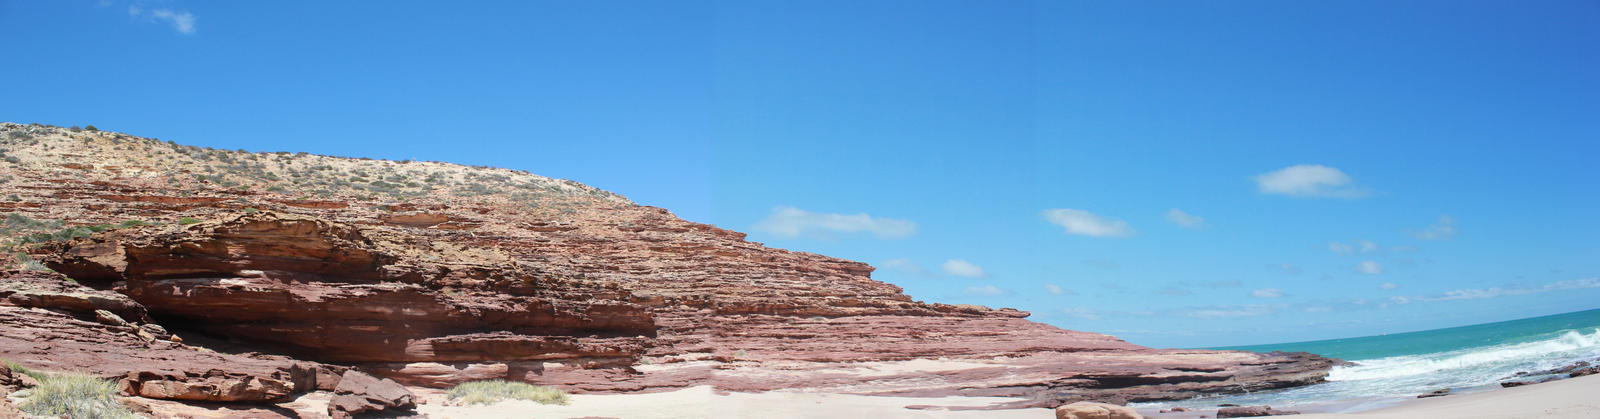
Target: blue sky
{"x":1337,"y":168}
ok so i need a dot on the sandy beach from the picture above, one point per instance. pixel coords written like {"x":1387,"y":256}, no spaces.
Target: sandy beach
{"x":1574,"y":398}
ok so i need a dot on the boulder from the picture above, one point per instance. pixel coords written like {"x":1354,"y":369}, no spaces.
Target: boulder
{"x":358,"y":393}
{"x":1093,"y":410}
{"x":6,"y":380}
{"x":1509,"y":384}
{"x":1252,"y":411}
{"x":1435,"y":393}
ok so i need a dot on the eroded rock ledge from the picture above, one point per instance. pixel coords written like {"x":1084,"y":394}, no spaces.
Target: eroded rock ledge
{"x":434,"y":314}
{"x":53,"y":324}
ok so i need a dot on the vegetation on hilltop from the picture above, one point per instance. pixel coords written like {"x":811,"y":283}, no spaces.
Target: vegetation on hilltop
{"x":106,"y":162}
{"x":301,"y":175}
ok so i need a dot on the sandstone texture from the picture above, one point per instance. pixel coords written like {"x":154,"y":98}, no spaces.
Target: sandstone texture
{"x":1092,"y":410}
{"x":247,"y":277}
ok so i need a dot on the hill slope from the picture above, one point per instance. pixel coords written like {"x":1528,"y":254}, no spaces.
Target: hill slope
{"x":433,"y":273}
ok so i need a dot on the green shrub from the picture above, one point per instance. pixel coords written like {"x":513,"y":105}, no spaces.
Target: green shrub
{"x":494,"y":391}
{"x":188,"y":220}
{"x":73,"y":395}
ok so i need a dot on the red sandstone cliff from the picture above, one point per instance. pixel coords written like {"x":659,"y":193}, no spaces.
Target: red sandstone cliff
{"x":432,"y":274}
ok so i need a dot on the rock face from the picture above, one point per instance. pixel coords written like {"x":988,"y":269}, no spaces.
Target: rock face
{"x":62,"y":330}
{"x":445,"y":274}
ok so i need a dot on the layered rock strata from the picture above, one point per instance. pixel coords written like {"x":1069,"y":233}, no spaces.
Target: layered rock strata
{"x":437,"y":274}
{"x":54,"y":325}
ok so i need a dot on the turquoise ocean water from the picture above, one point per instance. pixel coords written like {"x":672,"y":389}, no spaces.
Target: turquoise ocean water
{"x":1396,"y":367}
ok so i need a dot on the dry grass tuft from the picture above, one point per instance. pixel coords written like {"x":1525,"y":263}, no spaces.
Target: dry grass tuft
{"x":494,"y":391}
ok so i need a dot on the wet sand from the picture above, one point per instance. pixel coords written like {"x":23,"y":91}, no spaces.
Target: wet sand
{"x":1574,"y":398}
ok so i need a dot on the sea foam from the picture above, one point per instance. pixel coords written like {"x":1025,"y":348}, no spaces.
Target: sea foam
{"x":1478,"y":365}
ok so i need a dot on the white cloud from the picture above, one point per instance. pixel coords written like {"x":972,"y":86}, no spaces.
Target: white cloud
{"x":986,"y":290}
{"x":1367,"y":246}
{"x":1388,"y":286}
{"x":183,"y":21}
{"x":963,"y":268}
{"x":1267,"y":293}
{"x":1309,"y":181}
{"x":907,"y":266}
{"x":1445,"y":229}
{"x":1318,"y":309}
{"x":1054,"y":289}
{"x":1492,"y":292}
{"x":1403,"y":248}
{"x":1084,"y":223}
{"x":794,"y":222}
{"x":1183,"y":219}
{"x":1369,"y":267}
{"x":1340,"y":248}
{"x":1082,"y":313}
{"x":1289,"y":269}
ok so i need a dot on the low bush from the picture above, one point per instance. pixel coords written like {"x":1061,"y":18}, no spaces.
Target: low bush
{"x":494,"y":391}
{"x":73,"y":395}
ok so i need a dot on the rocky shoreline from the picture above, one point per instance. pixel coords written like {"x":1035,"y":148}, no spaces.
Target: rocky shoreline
{"x":237,"y":289}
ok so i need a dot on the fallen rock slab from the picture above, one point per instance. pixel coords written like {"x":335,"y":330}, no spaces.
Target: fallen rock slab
{"x":360,"y":393}
{"x":1435,"y":393}
{"x":1252,"y":411}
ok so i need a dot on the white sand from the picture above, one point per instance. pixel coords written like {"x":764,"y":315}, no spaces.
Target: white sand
{"x":702,"y":402}
{"x":1574,"y":398}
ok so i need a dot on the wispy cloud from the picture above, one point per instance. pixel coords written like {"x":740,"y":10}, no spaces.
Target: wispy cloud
{"x":1340,"y":248}
{"x":1388,"y":286}
{"x":905,"y":265}
{"x":1222,"y":284}
{"x":1289,"y":269}
{"x":1054,"y":289}
{"x":1082,"y":313}
{"x":986,"y":290}
{"x":1267,"y":293}
{"x":1172,"y":290}
{"x":1309,"y":181}
{"x":1084,"y":223}
{"x":794,"y":222}
{"x":1369,"y":267}
{"x":181,"y":20}
{"x":1367,"y":246}
{"x":1493,"y":292}
{"x":1184,"y":219}
{"x":1102,"y":263}
{"x":962,"y":268}
{"x":1444,"y":229}
{"x":1229,"y":312}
